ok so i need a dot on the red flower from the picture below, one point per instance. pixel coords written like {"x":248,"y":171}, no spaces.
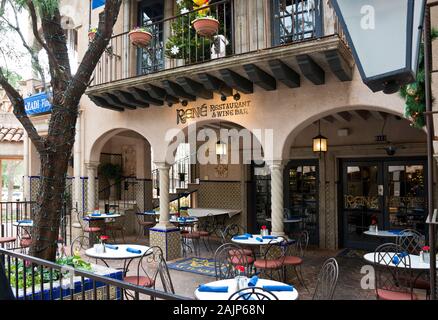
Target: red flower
{"x":240,"y":268}
{"x":426,"y":248}
{"x":264,"y":228}
{"x":103,"y":238}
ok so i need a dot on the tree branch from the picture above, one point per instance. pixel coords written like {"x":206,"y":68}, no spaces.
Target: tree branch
{"x":52,"y":59}
{"x":95,"y":50}
{"x":20,"y":112}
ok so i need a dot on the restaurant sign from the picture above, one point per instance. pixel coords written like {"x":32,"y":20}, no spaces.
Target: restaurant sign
{"x":37,"y":104}
{"x":214,"y":111}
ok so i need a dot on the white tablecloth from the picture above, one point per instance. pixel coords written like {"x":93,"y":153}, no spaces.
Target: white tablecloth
{"x":253,"y":242}
{"x":119,"y":254}
{"x":231,"y":283}
{"x":415,"y":261}
{"x":203,"y":212}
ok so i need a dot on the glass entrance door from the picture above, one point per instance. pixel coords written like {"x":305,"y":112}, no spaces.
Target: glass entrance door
{"x":392,"y":192}
{"x":362,"y":201}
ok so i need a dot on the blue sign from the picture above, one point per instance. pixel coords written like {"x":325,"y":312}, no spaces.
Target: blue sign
{"x":37,"y":104}
{"x":97,"y":3}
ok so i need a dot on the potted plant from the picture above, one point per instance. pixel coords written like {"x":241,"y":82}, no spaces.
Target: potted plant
{"x":140,"y":36}
{"x":205,"y":25}
{"x":92,"y":33}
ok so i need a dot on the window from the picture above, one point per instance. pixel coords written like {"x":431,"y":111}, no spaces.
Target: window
{"x":295,"y":20}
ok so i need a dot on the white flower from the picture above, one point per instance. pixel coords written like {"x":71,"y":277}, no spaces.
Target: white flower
{"x":174,"y":50}
{"x":179,"y":2}
{"x":184,"y":10}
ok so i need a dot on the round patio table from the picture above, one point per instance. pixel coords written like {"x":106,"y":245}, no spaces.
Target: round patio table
{"x":102,"y":216}
{"x":385,"y":234}
{"x":415,"y":261}
{"x":231,"y":283}
{"x":254,"y":242}
{"x":23,"y":223}
{"x":120,"y":254}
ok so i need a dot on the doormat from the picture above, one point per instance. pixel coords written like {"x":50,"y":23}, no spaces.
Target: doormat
{"x":200,"y":266}
{"x":350,"y":253}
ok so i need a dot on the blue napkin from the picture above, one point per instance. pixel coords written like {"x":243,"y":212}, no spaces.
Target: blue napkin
{"x":259,"y":239}
{"x":240,"y":238}
{"x":248,"y":235}
{"x":96,"y":214}
{"x":253,"y":281}
{"x":207,"y":288}
{"x":269,"y":237}
{"x":110,"y":246}
{"x":149,"y":212}
{"x":131,"y":250}
{"x":24,"y":221}
{"x":279,"y":288}
{"x":395,"y":231}
{"x":396,"y":259}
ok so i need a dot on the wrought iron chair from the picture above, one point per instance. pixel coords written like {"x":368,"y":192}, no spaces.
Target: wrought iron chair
{"x":273,"y":259}
{"x":413,"y":241}
{"x":253,"y":293}
{"x":24,"y":238}
{"x":151,"y":265}
{"x":188,"y":234}
{"x":394,"y":277}
{"x":227,"y":257}
{"x":206,"y":228}
{"x":116,"y":226}
{"x":294,"y":256}
{"x":85,"y":225}
{"x":233,"y":230}
{"x":78,"y":245}
{"x":327,"y":280}
{"x":143,"y":224}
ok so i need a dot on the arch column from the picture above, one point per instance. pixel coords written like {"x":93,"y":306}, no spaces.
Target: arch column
{"x":26,"y":166}
{"x":165,"y":235}
{"x":91,"y":190}
{"x":277,"y":201}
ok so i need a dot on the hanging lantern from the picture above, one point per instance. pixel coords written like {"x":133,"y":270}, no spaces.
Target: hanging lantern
{"x":320,"y":142}
{"x":385,"y":39}
{"x":221,"y":148}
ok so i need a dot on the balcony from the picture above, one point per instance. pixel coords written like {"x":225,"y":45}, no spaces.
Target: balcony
{"x":254,"y":45}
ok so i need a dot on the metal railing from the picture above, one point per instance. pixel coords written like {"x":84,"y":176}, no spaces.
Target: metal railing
{"x":32,"y":278}
{"x":243,"y":29}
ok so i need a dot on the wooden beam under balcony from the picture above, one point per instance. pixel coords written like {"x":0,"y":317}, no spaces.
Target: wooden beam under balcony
{"x":338,"y":65}
{"x":215,"y":84}
{"x":284,"y":73}
{"x":176,"y":90}
{"x":160,"y":94}
{"x":194,"y":88}
{"x":101,"y":102}
{"x":236,"y":81}
{"x":310,"y":69}
{"x":129,"y":98}
{"x":114,"y":100}
{"x":143,"y":95}
{"x":260,"y":77}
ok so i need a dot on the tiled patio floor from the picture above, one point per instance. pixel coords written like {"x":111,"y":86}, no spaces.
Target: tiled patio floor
{"x":348,"y":287}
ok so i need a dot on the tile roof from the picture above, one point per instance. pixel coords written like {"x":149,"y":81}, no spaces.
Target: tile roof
{"x":11,"y":134}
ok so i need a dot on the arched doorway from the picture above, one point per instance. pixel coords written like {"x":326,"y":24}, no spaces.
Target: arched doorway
{"x":374,"y":170}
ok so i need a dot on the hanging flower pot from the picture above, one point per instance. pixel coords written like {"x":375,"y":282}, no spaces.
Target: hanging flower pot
{"x":206,"y":26}
{"x":140,"y":37}
{"x":92,"y":34}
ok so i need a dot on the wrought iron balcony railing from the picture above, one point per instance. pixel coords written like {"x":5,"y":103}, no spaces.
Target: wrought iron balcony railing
{"x":175,"y":43}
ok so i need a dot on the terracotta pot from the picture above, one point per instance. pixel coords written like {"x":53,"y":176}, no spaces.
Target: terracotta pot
{"x":206,"y":27}
{"x":91,"y":35}
{"x":140,"y":38}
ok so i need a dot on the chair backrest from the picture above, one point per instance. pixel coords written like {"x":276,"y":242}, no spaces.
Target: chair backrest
{"x":79,"y":243}
{"x":300,"y":246}
{"x":253,"y":293}
{"x":207,"y":223}
{"x":153,"y":264}
{"x":233,"y":230}
{"x":411,"y":241}
{"x":393,"y":269}
{"x":226,"y":258}
{"x":327,"y":280}
{"x":275,"y":250}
